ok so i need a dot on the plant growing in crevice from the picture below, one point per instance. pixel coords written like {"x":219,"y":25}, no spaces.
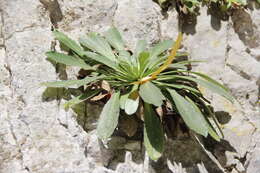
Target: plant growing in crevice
{"x":138,"y":83}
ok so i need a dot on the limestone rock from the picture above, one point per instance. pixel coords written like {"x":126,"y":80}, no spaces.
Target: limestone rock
{"x":38,"y":135}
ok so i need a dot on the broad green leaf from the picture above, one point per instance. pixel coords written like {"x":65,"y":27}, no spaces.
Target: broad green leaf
{"x":80,"y":98}
{"x":153,"y":133}
{"x":114,"y":38}
{"x":98,"y":44}
{"x":109,"y":117}
{"x":67,"y":83}
{"x":132,"y":101}
{"x":151,"y":94}
{"x":204,"y":121}
{"x":191,"y":117}
{"x":211,"y":86}
{"x":68,"y":60}
{"x":160,"y":48}
{"x":101,"y":59}
{"x":68,"y":42}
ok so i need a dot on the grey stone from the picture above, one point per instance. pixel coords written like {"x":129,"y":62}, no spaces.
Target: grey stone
{"x":142,"y":17}
{"x":38,"y":135}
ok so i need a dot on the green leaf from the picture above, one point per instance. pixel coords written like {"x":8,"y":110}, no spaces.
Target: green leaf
{"x":124,"y":56}
{"x":182,"y":64}
{"x":143,"y":60}
{"x":80,"y":98}
{"x":98,"y":44}
{"x":68,"y":60}
{"x":210,"y":80}
{"x":160,"y":48}
{"x":151,"y":94}
{"x":153,"y":133}
{"x":140,"y":47}
{"x":132,"y":101}
{"x":101,"y":59}
{"x":211,"y":85}
{"x":161,"y":1}
{"x":193,"y":119}
{"x":67,"y":83}
{"x":123,"y":99}
{"x":204,"y":121}
{"x":109,"y":117}
{"x":178,"y":86}
{"x":68,"y":42}
{"x":114,"y":38}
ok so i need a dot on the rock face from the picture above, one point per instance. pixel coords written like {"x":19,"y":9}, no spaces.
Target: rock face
{"x":37,"y":135}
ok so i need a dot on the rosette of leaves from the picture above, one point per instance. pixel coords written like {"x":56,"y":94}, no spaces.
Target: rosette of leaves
{"x":138,"y":82}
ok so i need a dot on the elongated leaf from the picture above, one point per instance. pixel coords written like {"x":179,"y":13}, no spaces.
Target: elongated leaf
{"x":67,"y":83}
{"x":160,"y":48}
{"x":178,"y":86}
{"x":124,"y":56}
{"x":132,"y":101}
{"x":68,"y":60}
{"x":143,"y":60}
{"x":68,"y":42}
{"x":98,"y":44}
{"x":171,"y":57}
{"x":114,"y":38}
{"x":153,"y":133}
{"x":123,"y":99}
{"x":80,"y":98}
{"x":151,"y":94}
{"x":183,"y":64}
{"x":140,"y":47}
{"x":191,"y":117}
{"x":204,"y":121}
{"x":161,"y":1}
{"x":211,"y":86}
{"x":210,"y":80}
{"x":101,"y":59}
{"x":109,"y":117}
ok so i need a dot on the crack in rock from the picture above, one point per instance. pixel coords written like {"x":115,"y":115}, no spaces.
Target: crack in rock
{"x":24,"y":29}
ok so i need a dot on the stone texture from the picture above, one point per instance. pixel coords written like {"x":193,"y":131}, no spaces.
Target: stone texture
{"x":38,"y":135}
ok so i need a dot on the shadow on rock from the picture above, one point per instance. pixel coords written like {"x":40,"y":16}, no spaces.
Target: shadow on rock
{"x":253,"y":5}
{"x":223,"y":117}
{"x":245,"y":28}
{"x":217,"y":15}
{"x":187,"y":23}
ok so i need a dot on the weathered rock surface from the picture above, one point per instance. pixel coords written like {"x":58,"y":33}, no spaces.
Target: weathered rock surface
{"x":37,"y":135}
